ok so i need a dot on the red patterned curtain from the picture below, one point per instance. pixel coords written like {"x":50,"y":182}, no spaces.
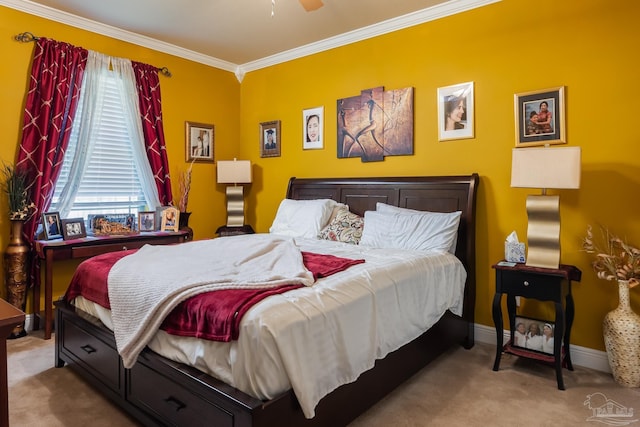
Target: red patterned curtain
{"x":54,"y":88}
{"x":148,"y":85}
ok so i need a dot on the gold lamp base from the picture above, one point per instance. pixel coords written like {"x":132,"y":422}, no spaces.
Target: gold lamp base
{"x":543,"y":232}
{"x":235,"y":206}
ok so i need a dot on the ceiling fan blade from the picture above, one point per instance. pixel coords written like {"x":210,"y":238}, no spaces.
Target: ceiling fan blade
{"x":310,"y":5}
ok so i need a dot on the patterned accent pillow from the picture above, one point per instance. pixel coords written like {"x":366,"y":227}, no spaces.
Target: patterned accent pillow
{"x":346,"y":227}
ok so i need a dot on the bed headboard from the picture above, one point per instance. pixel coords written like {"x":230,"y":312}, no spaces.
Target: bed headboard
{"x":425,"y":193}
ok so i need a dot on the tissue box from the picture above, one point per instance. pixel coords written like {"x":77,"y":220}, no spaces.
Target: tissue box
{"x":514,"y":252}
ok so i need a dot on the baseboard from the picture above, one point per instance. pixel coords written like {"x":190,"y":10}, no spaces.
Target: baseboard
{"x":580,"y":356}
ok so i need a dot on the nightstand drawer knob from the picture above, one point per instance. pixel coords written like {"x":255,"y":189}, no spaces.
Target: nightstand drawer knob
{"x":526,"y":283}
{"x":124,"y":248}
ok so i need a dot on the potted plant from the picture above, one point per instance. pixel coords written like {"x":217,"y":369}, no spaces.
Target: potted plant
{"x":185,"y":188}
{"x":616,"y":260}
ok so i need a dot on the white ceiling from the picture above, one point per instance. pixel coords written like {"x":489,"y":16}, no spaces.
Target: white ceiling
{"x":241,"y":35}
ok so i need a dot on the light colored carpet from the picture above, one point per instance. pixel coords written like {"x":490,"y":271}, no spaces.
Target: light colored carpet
{"x":458,"y":389}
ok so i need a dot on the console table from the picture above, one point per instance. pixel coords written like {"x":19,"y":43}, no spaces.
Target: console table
{"x":10,"y":317}
{"x":55,"y":250}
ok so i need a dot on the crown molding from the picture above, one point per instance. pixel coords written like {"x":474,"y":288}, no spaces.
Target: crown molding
{"x":449,"y":8}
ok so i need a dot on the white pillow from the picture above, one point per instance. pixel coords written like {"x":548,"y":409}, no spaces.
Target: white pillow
{"x":428,"y":231}
{"x":302,"y":218}
{"x":384,"y":208}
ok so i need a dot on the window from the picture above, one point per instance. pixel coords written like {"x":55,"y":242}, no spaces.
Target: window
{"x":110,"y":183}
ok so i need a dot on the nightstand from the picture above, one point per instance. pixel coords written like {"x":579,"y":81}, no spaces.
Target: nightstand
{"x":543,"y":284}
{"x":234,"y":231}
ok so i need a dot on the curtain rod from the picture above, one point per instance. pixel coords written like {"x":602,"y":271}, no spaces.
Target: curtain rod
{"x":28,"y":37}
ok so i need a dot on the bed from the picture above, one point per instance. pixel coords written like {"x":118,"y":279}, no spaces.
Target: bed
{"x":159,"y":391}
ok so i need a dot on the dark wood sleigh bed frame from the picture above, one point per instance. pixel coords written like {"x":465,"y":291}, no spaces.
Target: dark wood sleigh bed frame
{"x":156,"y":391}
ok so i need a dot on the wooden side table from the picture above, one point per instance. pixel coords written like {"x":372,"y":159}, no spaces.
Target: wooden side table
{"x":10,"y":317}
{"x":542,"y":284}
{"x":50,"y":251}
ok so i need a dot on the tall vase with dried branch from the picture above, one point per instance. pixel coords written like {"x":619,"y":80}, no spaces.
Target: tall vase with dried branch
{"x":16,"y":256}
{"x":185,"y":188}
{"x":618,"y":261}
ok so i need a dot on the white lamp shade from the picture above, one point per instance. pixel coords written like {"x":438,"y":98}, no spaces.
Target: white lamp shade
{"x":546,"y":167}
{"x":234,"y":171}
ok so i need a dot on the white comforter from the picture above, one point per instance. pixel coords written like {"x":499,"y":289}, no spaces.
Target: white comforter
{"x":314,"y":339}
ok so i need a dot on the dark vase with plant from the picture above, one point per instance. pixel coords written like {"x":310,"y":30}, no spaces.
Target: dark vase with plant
{"x":16,"y":256}
{"x":185,"y":187}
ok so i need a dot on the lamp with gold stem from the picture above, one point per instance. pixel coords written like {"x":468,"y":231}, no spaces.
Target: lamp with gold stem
{"x":545,"y":168}
{"x":234,"y":172}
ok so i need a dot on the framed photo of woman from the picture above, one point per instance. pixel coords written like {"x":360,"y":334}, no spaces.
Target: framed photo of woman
{"x":313,"y":128}
{"x":51,"y":225}
{"x":199,"y":139}
{"x":540,"y":117}
{"x":456,"y":112}
{"x":534,"y":334}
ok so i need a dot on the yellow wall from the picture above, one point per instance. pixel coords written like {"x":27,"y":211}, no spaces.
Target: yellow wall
{"x":505,"y":48}
{"x":196,"y":93}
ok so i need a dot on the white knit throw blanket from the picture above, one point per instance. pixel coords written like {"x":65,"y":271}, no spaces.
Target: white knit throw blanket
{"x":144,"y":287}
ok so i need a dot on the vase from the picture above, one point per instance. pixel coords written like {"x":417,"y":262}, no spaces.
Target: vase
{"x":621,"y":329}
{"x":16,"y":263}
{"x":183,"y":221}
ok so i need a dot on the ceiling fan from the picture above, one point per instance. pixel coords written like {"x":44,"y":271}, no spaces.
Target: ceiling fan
{"x":310,"y":5}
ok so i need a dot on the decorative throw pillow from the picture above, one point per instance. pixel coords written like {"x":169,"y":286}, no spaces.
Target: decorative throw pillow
{"x":346,"y":227}
{"x":302,"y":218}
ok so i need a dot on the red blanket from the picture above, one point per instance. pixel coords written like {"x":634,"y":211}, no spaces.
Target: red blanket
{"x":212,"y":315}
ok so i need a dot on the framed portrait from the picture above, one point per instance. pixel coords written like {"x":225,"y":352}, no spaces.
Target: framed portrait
{"x":313,"y":128}
{"x":73,"y":228}
{"x":534,"y":334}
{"x":270,"y":139}
{"x":51,"y":225}
{"x":456,"y":112}
{"x":146,"y":221}
{"x":199,"y":142}
{"x":170,"y":219}
{"x":540,"y":117}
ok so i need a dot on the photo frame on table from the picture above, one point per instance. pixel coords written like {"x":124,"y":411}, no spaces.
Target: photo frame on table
{"x":51,"y":225}
{"x":73,"y":228}
{"x":199,"y":142}
{"x":170,"y":219}
{"x":534,"y":334}
{"x":270,"y":139}
{"x":313,"y":128}
{"x":146,"y":221}
{"x":456,"y":112}
{"x":540,"y":117}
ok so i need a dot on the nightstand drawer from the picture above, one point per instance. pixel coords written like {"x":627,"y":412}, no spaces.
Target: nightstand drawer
{"x":530,"y":285}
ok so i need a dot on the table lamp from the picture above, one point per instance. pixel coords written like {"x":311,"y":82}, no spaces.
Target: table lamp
{"x":234,"y":172}
{"x":545,"y":167}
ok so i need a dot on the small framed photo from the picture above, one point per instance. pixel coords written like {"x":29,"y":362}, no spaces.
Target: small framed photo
{"x":170,"y":218}
{"x":51,"y":225}
{"x":540,"y":117}
{"x":73,"y":228}
{"x":199,"y":142}
{"x":456,"y":112}
{"x":313,"y":125}
{"x":146,"y":221}
{"x":534,"y":334}
{"x":270,"y":139}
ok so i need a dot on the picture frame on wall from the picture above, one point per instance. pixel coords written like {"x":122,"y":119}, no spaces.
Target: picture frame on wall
{"x":73,"y":228}
{"x":199,"y":142}
{"x":313,"y":128}
{"x":540,"y":117}
{"x":270,"y":139}
{"x":51,"y":225}
{"x":456,"y":112}
{"x":534,"y":334}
